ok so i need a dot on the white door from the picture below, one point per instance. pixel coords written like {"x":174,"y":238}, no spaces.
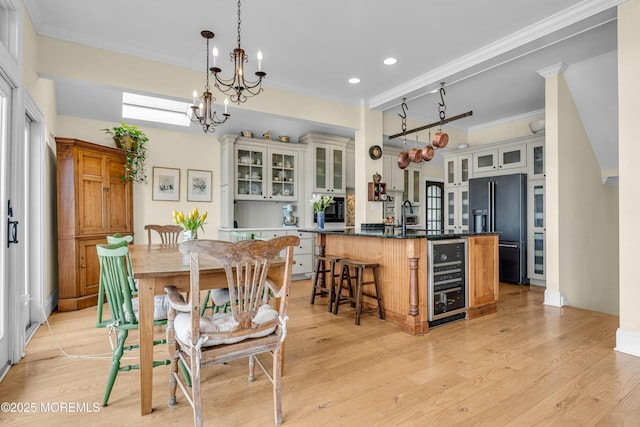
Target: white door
{"x":5,"y":331}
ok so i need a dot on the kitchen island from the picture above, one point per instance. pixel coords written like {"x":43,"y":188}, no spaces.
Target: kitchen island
{"x":403,"y":259}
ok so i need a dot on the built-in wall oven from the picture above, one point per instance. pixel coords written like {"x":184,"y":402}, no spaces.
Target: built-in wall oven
{"x":447,"y":281}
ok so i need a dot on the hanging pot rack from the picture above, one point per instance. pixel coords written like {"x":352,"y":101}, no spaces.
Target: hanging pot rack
{"x":434,"y":124}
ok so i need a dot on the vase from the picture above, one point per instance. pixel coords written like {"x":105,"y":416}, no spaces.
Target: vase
{"x":320,"y":220}
{"x":189,"y":235}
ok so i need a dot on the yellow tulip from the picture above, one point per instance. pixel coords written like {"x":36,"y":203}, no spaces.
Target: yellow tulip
{"x":203,"y":217}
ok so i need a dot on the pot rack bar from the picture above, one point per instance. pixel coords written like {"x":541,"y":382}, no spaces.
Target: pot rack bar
{"x":434,"y":124}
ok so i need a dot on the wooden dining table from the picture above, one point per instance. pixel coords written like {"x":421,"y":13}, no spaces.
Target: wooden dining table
{"x":154,"y":267}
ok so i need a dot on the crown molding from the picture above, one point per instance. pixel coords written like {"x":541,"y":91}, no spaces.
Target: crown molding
{"x":515,"y":40}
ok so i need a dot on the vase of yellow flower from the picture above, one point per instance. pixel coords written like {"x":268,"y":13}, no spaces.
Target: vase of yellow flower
{"x":320,"y":202}
{"x":190,"y":223}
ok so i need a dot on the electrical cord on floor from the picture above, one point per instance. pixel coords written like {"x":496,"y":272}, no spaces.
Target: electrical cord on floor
{"x":106,"y":356}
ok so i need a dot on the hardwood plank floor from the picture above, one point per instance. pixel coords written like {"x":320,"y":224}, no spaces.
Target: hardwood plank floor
{"x":528,"y":364}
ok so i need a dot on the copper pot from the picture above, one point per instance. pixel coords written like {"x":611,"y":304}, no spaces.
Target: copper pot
{"x":415,"y":155}
{"x":403,"y":159}
{"x":440,"y":139}
{"x":427,"y":153}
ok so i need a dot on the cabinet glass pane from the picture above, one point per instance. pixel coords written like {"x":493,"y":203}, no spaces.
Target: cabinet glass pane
{"x":509,"y":157}
{"x":451,"y":208}
{"x":416,"y":186}
{"x":485,"y":161}
{"x":405,"y":188}
{"x":464,"y":196}
{"x":337,"y":169}
{"x":450,"y":172}
{"x":321,"y":167}
{"x":538,"y":205}
{"x":538,"y":160}
{"x":464,"y":170}
{"x":538,"y":256}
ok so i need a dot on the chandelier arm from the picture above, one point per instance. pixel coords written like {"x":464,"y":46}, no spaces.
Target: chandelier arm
{"x":204,"y":114}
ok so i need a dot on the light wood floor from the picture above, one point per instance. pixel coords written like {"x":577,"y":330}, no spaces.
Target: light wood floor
{"x":528,"y":364}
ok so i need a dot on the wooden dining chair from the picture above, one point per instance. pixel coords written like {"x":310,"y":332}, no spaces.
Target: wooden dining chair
{"x":124,"y":309}
{"x":253,"y":327}
{"x":169,"y":234}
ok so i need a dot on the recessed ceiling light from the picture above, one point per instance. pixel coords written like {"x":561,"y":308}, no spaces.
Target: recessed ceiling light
{"x":354,"y":80}
{"x":390,"y":61}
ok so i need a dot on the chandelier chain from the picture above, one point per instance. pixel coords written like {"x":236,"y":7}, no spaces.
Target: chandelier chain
{"x":239,"y":22}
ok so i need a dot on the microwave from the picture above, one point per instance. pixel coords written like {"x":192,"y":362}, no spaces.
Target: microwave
{"x":334,"y":212}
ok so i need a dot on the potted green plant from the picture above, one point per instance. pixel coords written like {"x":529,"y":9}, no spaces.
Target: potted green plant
{"x":132,"y":140}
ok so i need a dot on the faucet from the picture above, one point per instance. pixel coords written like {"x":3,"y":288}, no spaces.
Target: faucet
{"x":404,"y":216}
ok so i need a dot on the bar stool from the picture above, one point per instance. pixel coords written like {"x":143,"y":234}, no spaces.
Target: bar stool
{"x":355,"y":296}
{"x":329,"y":262}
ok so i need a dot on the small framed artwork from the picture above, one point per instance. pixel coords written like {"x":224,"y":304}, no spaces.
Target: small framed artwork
{"x":166,"y":184}
{"x":198,"y":185}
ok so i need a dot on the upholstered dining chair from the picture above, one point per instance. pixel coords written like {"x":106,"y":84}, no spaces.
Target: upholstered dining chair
{"x":124,"y":309}
{"x":169,"y":234}
{"x":254,"y":327}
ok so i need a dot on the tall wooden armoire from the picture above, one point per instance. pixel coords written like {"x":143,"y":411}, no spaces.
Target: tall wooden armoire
{"x":93,"y":202}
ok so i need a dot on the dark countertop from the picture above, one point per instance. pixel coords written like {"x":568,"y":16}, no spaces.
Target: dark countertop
{"x":393,"y":234}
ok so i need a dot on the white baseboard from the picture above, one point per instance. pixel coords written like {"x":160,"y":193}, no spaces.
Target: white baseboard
{"x":553,"y":298}
{"x":628,"y":342}
{"x":50,"y":304}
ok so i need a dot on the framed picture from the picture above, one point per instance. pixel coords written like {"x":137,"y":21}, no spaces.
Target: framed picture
{"x":166,"y":184}
{"x":198,"y":185}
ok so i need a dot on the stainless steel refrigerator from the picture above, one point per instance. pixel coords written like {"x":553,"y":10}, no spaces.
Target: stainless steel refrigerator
{"x":499,"y":204}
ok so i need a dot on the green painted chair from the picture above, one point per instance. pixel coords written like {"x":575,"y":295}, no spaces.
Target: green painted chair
{"x":116,"y":238}
{"x":124,"y":309}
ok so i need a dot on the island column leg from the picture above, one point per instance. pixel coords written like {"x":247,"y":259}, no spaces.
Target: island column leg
{"x":412,"y":323}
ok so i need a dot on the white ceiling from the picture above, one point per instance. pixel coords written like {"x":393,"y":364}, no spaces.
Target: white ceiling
{"x":487,"y":53}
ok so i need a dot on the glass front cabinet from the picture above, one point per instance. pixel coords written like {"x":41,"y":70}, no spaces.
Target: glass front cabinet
{"x":265,"y":174}
{"x":330,"y":169}
{"x":456,"y":209}
{"x":536,"y":233}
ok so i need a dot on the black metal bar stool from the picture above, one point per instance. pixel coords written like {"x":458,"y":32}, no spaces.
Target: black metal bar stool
{"x":355,"y":296}
{"x":325,"y":264}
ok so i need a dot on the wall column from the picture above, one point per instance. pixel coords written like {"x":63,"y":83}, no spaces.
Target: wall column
{"x":369,"y":134}
{"x":628,"y":334}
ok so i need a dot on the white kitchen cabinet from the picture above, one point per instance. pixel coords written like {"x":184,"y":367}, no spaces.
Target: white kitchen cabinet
{"x":329,"y":169}
{"x":328,"y":161}
{"x":265,"y":173}
{"x":456,"y":209}
{"x":391,"y":173}
{"x":458,"y":170}
{"x":412,"y":180}
{"x":303,"y":253}
{"x":506,"y":157}
{"x":351,"y":167}
{"x":536,"y":160}
{"x":536,"y":231}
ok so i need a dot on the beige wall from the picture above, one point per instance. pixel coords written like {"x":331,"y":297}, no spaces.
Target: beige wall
{"x":501,"y":132}
{"x":588,"y":212}
{"x":169,"y":149}
{"x":629,"y":155}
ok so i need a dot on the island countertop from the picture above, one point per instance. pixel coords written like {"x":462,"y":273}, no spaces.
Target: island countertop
{"x":393,"y":233}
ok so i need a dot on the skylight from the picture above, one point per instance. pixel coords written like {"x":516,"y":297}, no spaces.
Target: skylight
{"x":152,"y":109}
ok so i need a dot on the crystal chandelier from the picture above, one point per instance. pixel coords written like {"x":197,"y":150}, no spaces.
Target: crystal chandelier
{"x":203,"y":112}
{"x":237,"y":87}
